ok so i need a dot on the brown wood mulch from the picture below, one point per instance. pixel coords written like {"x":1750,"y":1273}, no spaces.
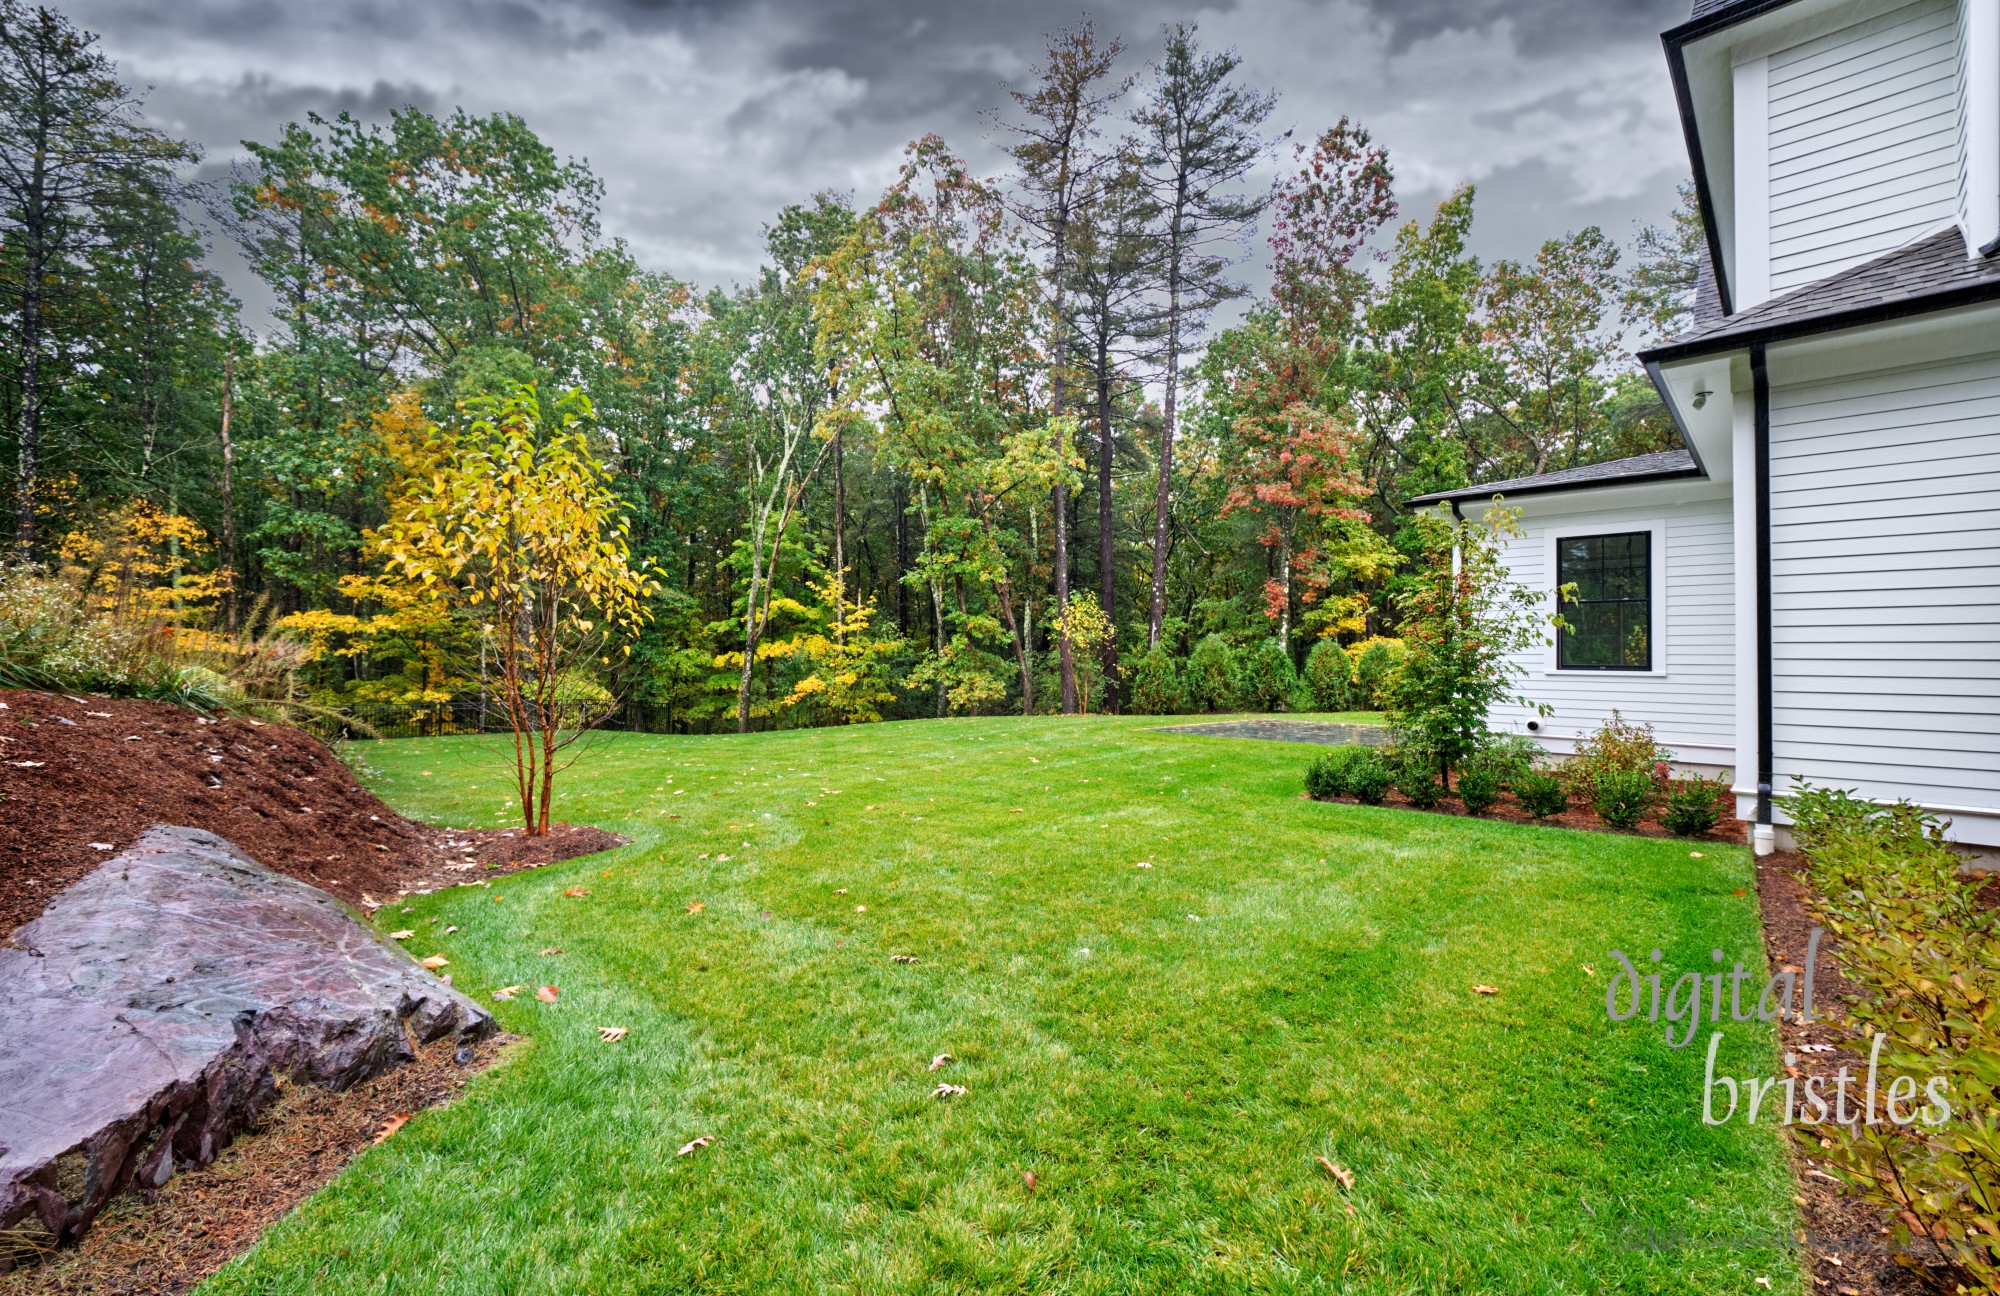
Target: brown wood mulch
{"x":168,"y":1241}
{"x":1727,"y":832}
{"x":82,"y":776}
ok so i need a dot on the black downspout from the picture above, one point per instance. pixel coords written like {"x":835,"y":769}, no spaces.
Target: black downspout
{"x":1760,"y":396}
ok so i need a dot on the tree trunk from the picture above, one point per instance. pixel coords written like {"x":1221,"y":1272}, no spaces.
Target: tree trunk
{"x":1107,"y":579}
{"x":229,"y":509}
{"x":839,"y":543}
{"x":1163,"y":498}
{"x":31,"y":404}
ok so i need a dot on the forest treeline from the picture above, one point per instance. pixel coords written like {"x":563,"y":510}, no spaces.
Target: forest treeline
{"x":971,"y":445}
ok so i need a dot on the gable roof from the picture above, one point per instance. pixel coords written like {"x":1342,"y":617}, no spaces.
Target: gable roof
{"x":1663,"y":466}
{"x":1932,"y":274}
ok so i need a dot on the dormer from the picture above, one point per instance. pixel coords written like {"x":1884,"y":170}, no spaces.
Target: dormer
{"x":1825,"y":133}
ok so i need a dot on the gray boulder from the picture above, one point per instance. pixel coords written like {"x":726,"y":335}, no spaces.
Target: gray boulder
{"x":145,"y":1017}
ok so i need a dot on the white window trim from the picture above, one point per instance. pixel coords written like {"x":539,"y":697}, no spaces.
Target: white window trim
{"x":1657,"y":550}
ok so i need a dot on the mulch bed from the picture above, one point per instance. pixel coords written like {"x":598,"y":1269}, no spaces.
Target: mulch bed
{"x":1727,"y":832}
{"x":169,"y":1240}
{"x":1848,"y":1241}
{"x":82,"y":776}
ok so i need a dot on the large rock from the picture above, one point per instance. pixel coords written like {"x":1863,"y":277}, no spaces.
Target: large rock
{"x":145,"y":1016}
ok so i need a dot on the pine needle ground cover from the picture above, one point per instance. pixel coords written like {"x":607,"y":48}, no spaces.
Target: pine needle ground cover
{"x":1154,"y":1059}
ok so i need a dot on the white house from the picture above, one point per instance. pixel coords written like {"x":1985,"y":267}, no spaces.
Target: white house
{"x":1811,"y":588}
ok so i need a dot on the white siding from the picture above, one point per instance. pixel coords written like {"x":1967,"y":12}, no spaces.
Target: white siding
{"x":1691,"y":704}
{"x":1864,"y":139}
{"x":1885,"y":544}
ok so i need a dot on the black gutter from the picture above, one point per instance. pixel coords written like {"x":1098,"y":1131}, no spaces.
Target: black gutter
{"x":1760,"y":388}
{"x":1973,"y":294}
{"x":1470,"y":493}
{"x":1675,"y":39}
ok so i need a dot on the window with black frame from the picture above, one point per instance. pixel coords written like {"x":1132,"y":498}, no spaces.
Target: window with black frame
{"x":1611,"y":619}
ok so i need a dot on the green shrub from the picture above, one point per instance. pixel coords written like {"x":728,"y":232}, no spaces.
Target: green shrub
{"x":1210,"y":678}
{"x":1693,"y":805}
{"x":1621,"y":797}
{"x":1265,"y":678}
{"x":1541,"y":794}
{"x":1510,"y":757}
{"x":1153,"y":684}
{"x":1329,"y":677}
{"x":1414,"y":771}
{"x":1925,"y":956}
{"x":1368,"y":776}
{"x":1332,"y":772}
{"x":1479,"y":788}
{"x":1618,"y":747}
{"x":1371,"y":676}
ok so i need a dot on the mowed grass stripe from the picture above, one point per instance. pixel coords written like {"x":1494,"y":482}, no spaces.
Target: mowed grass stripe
{"x":1288,"y":980}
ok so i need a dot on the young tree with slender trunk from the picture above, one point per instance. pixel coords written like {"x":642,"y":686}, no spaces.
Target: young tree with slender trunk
{"x":1199,"y":136}
{"x":71,"y":147}
{"x":1059,"y":167}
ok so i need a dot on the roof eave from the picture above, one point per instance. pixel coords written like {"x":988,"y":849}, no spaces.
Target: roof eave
{"x":1471,"y":493}
{"x":1833,"y":322}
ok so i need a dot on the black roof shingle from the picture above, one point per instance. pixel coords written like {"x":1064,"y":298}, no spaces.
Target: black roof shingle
{"x":1663,"y":466}
{"x":1932,"y":274}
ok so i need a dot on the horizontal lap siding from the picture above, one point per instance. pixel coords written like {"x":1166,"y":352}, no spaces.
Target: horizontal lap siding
{"x":1692,"y":705}
{"x":1885,"y":582}
{"x":1865,"y":141}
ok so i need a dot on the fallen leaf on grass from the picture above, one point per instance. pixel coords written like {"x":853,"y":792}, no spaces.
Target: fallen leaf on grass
{"x":1143,"y":864}
{"x":1739,"y":891}
{"x":904,"y":958}
{"x":942,"y":1059}
{"x":1028,"y":1180}
{"x":861,"y":908}
{"x":1341,"y":1174}
{"x":1763,"y":1282}
{"x":552,"y":951}
{"x":948,"y":1091}
{"x":391,"y":1125}
{"x":1696,"y":855}
{"x":1589,"y":970}
{"x":693,"y":1145}
{"x":449,"y":930}
{"x":436,"y":961}
{"x":404,"y":934}
{"x":1486,"y":989}
{"x":611,"y":1034}
{"x":547,"y":994}
{"x":508,"y":992}
{"x":695,"y":906}
{"x":1017,"y":810}
{"x":577,"y":892}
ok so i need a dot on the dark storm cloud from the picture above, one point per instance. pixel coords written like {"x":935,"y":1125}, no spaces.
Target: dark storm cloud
{"x":704,"y":118}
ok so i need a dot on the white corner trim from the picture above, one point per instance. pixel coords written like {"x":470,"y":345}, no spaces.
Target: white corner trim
{"x":1751,"y":121}
{"x":1584,"y":524}
{"x":1982,"y":123}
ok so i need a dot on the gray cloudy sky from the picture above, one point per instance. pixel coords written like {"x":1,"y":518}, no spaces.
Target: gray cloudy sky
{"x":705,"y":116}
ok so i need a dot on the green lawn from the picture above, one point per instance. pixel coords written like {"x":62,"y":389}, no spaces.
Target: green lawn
{"x":1166,"y":1049}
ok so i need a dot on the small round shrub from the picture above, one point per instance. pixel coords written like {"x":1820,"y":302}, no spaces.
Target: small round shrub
{"x":1422,"y":788}
{"x":1479,"y":788}
{"x":1541,"y":794}
{"x":1622,"y":796}
{"x":1210,"y":677}
{"x":1326,"y":776}
{"x":1693,"y":805}
{"x":1329,"y":676}
{"x":1368,"y":777}
{"x":1265,"y":678}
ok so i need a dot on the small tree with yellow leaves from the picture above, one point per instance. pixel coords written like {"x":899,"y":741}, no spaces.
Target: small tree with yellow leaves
{"x":515,"y":518}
